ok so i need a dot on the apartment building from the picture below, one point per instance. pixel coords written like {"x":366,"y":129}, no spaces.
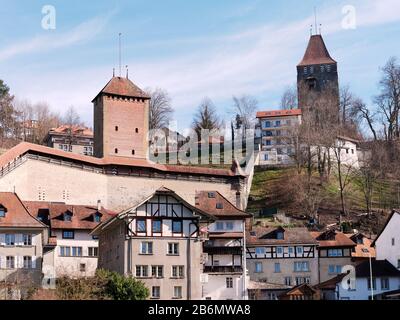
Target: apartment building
{"x":75,"y":139}
{"x":280,"y":258}
{"x":334,"y":252}
{"x":22,"y":242}
{"x":276,"y":130}
{"x":76,"y":251}
{"x":224,"y":272}
{"x":159,"y":241}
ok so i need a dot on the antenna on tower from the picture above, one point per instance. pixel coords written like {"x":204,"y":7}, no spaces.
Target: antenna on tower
{"x":311,"y":27}
{"x":320,"y":28}
{"x":315,"y":17}
{"x":120,"y":54}
{"x":113,"y":72}
{"x":127,"y":71}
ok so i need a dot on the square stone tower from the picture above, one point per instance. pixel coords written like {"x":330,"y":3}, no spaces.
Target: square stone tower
{"x":121,"y":120}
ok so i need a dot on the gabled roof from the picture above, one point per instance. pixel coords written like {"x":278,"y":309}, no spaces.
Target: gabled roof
{"x":332,"y":238}
{"x":24,"y":148}
{"x":380,"y":268}
{"x":278,"y":113}
{"x":161,"y":191}
{"x":123,"y":87}
{"x":316,"y":52}
{"x":394,"y":211}
{"x":81,"y":215}
{"x":303,"y":289}
{"x":17,"y":216}
{"x":331,"y":283}
{"x":265,"y":236}
{"x":362,"y":250}
{"x":207,"y":201}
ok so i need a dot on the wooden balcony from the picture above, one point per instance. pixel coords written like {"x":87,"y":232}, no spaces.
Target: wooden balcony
{"x":237,"y":250}
{"x":223,"y":269}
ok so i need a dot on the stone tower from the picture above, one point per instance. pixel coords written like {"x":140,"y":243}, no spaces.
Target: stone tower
{"x":121,"y":120}
{"x":317,"y":74}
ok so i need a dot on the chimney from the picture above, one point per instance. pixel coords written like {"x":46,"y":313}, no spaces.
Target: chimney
{"x":98,"y":205}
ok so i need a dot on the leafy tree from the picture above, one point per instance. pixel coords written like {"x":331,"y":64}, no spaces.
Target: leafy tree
{"x":126,"y":288}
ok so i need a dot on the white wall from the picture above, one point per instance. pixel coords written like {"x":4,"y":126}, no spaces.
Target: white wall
{"x":361,"y":291}
{"x":383,"y":245}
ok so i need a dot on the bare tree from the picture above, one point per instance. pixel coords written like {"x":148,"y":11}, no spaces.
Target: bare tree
{"x":161,"y":110}
{"x":360,"y":110}
{"x":7,"y":113}
{"x":244,"y":108}
{"x":206,"y":117}
{"x":346,"y":101}
{"x":289,"y":98}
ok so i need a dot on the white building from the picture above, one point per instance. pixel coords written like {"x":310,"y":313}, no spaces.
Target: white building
{"x":275,"y":129}
{"x":387,"y":243}
{"x":76,"y":252}
{"x":385,"y":278}
{"x":224,"y":273}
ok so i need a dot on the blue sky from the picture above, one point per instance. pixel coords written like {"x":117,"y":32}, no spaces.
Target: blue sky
{"x":192,"y":49}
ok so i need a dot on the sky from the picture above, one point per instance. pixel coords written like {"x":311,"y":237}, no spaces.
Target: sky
{"x":192,"y":49}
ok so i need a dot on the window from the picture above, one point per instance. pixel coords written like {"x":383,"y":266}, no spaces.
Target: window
{"x":27,"y":262}
{"x":385,"y":284}
{"x":156,"y":226}
{"x":322,"y":69}
{"x":116,"y":128}
{"x":133,"y":152}
{"x":176,"y":226}
{"x":268,"y":133}
{"x":142,"y":271}
{"x":77,"y":251}
{"x":331,"y":269}
{"x":229,"y":283}
{"x":279,"y":151}
{"x":65,"y":251}
{"x":10,"y":239}
{"x":299,"y":250}
{"x":93,"y":251}
{"x":2,"y":212}
{"x":277,"y":123}
{"x":335,"y":253}
{"x":211,"y":195}
{"x":277,"y":268}
{"x":278,"y":133}
{"x":328,"y":68}
{"x":279,"y":250}
{"x":229,"y":226}
{"x":141,"y":225}
{"x":267,"y":124}
{"x":10,"y":262}
{"x":137,"y":130}
{"x":177,"y":272}
{"x":280,"y":235}
{"x":97,"y":218}
{"x":68,"y":234}
{"x":288,"y":281}
{"x":398,"y":264}
{"x":373,"y":283}
{"x":219,"y":205}
{"x":219,"y":225}
{"x":393,"y":242}
{"x":305,"y":70}
{"x":82,"y":267}
{"x":301,"y":280}
{"x":338,"y":269}
{"x":258,"y":267}
{"x":301,"y":266}
{"x":177,"y":292}
{"x":157,"y":271}
{"x":260,"y":251}
{"x":268,"y":142}
{"x":155,"y":292}
{"x":290,"y":250}
{"x":334,"y":269}
{"x":116,"y":150}
{"x":67,"y":217}
{"x":173,"y":249}
{"x":146,"y":247}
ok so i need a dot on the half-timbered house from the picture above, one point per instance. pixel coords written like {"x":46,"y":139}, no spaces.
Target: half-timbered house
{"x":281,"y":256}
{"x":159,"y":241}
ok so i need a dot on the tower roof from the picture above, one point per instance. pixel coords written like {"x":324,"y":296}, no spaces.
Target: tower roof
{"x":316,"y":52}
{"x":123,"y":87}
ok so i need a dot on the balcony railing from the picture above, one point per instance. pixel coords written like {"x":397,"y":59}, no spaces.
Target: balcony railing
{"x":223,"y":269}
{"x":222,"y":250}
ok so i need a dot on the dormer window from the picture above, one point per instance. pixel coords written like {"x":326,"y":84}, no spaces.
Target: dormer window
{"x":280,"y":235}
{"x":97,"y":217}
{"x":68,"y":216}
{"x":2,"y":212}
{"x":211,"y":195}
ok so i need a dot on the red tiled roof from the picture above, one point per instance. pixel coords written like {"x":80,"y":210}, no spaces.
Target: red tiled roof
{"x":76,"y":130}
{"x":316,"y":52}
{"x":25,"y":147}
{"x":82,"y":216}
{"x":363,"y":250}
{"x":279,"y":113}
{"x":266,"y":236}
{"x":16,"y":213}
{"x":339,"y":240}
{"x":207,"y":201}
{"x":123,"y":87}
